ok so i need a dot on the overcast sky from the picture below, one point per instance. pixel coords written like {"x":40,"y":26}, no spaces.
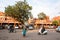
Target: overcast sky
{"x":49,"y":7}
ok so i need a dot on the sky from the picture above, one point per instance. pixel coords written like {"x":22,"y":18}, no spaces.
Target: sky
{"x":50,"y":7}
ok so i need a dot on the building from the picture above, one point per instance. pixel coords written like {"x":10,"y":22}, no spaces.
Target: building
{"x":37,"y":22}
{"x":7,"y":20}
{"x":57,"y":18}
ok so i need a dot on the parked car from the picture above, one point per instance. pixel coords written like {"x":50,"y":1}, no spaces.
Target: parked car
{"x":30,"y":27}
{"x":16,"y":27}
{"x":1,"y":27}
{"x":58,"y":29}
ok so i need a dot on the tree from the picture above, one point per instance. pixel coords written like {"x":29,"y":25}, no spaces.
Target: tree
{"x":41,"y":15}
{"x":55,"y":22}
{"x":59,"y":22}
{"x":19,"y":11}
{"x":30,"y":16}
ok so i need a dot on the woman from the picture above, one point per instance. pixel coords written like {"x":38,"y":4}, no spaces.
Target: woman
{"x":24,"y":31}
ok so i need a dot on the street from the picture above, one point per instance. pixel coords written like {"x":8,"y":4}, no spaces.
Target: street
{"x":31,"y":35}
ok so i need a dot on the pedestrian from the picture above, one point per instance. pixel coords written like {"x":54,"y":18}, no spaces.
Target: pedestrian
{"x":24,"y":31}
{"x":42,"y":30}
{"x":11,"y":29}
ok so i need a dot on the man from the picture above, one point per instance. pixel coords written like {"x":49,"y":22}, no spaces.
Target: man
{"x":42,"y":30}
{"x":11,"y":28}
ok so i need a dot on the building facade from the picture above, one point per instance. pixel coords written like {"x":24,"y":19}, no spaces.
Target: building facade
{"x":7,"y":19}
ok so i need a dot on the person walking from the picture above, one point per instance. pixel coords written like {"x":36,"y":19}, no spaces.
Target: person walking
{"x":24,"y":31}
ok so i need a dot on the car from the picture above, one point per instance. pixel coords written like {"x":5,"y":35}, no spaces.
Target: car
{"x":58,"y":29}
{"x":30,"y":27}
{"x":16,"y":27}
{"x":1,"y":27}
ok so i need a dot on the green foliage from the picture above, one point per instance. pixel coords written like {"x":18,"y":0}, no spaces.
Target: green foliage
{"x":20,"y":11}
{"x":55,"y":22}
{"x":41,"y":15}
{"x":59,"y":21}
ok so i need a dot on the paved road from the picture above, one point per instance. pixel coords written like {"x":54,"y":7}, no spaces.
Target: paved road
{"x":31,"y":35}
